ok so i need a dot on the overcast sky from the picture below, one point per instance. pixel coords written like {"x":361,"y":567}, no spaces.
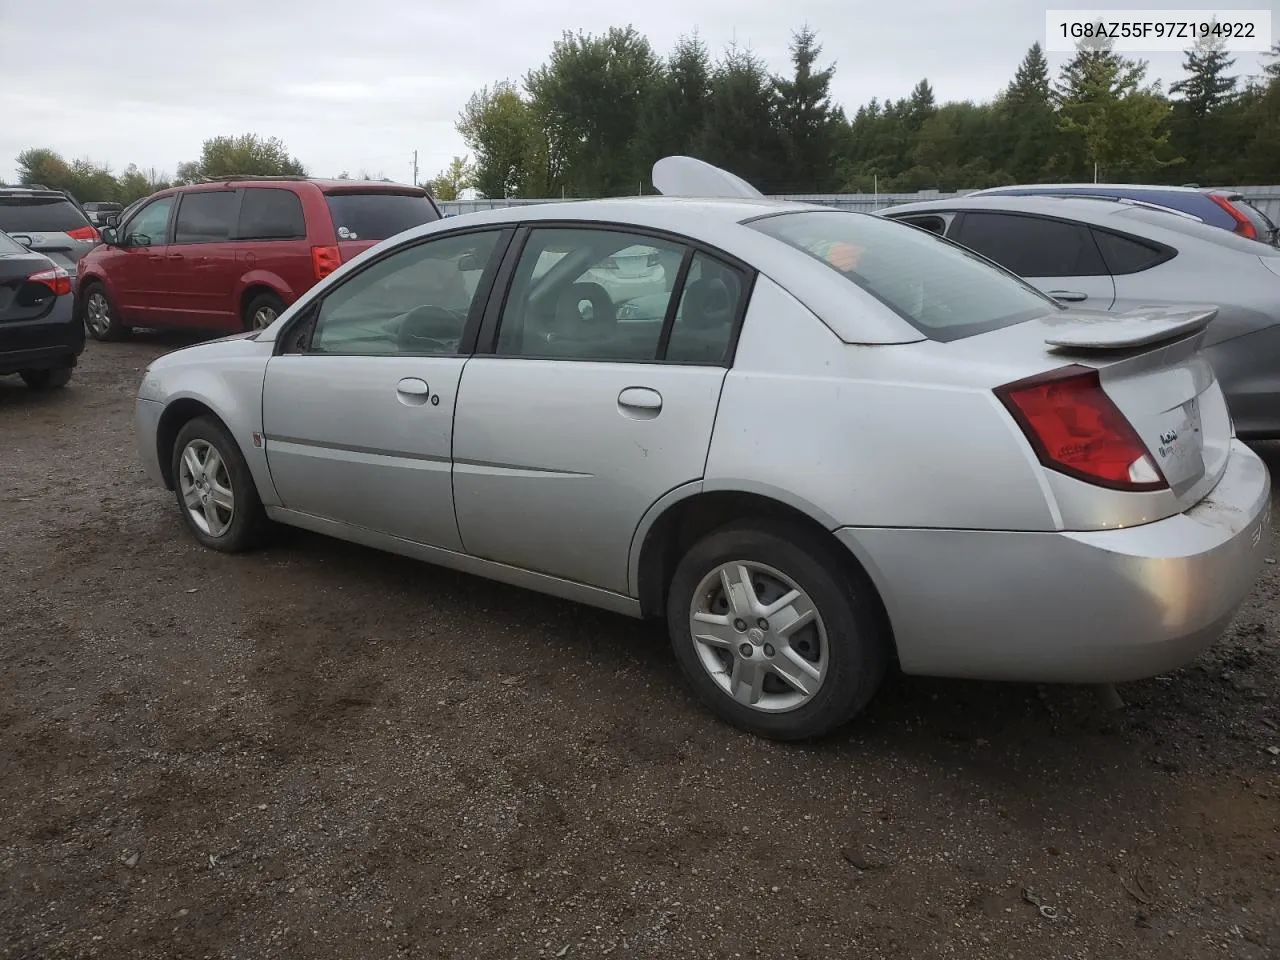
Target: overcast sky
{"x":360,"y":85}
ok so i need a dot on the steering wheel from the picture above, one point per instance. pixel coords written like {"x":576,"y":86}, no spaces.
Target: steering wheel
{"x":430,"y":329}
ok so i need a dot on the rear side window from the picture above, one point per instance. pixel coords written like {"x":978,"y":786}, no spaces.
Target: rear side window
{"x":205,"y":217}
{"x":1031,"y":246}
{"x":39,"y":215}
{"x":1129,"y":254}
{"x":271,"y":214}
{"x":933,"y":224}
{"x":9,"y":246}
{"x":376,"y":216}
{"x":941,"y":289}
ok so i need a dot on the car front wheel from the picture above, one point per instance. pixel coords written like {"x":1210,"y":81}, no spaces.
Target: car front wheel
{"x":101,"y":321}
{"x":775,"y":630}
{"x":215,"y":490}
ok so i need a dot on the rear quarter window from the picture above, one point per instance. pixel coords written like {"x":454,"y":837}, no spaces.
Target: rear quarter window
{"x":376,"y":216}
{"x":1124,"y":254}
{"x":270,"y":213}
{"x":940,"y":288}
{"x":39,"y":215}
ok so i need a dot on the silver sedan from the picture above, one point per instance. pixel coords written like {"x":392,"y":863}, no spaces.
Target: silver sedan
{"x":840,"y":443}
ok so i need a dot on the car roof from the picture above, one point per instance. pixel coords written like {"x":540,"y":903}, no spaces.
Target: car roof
{"x":34,"y":191}
{"x":1133,"y":187}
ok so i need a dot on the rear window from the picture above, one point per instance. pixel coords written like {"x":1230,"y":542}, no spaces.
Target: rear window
{"x":376,"y":216}
{"x":941,"y":289}
{"x":39,"y":215}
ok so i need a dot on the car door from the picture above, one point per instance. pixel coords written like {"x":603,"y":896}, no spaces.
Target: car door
{"x":585,"y":410}
{"x":135,"y":270}
{"x":1058,"y":257}
{"x":199,"y":284}
{"x":358,"y":409}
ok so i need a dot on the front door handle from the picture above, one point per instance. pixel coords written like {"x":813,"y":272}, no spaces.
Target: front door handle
{"x":413,"y":392}
{"x":640,"y":403}
{"x":1068,"y":296}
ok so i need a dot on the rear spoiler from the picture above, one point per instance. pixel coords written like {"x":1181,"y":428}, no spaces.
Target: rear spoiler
{"x":1139,"y":327}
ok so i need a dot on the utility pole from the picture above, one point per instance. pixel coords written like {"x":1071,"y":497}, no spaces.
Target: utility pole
{"x":415,"y":168}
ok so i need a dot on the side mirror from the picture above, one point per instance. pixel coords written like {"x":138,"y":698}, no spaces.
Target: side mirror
{"x":109,"y":237}
{"x":21,"y":238}
{"x":113,"y":220}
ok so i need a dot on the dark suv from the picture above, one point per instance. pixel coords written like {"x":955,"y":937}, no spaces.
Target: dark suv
{"x":40,"y":337}
{"x":230,"y":254}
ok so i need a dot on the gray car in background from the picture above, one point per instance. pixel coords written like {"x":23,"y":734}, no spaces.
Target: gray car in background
{"x":1117,"y":255}
{"x":54,"y":223}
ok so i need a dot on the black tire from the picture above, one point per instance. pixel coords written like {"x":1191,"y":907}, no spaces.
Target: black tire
{"x":248,"y":521}
{"x":857,"y":648}
{"x":260,"y":303}
{"x":47,"y":379}
{"x":105,"y":331}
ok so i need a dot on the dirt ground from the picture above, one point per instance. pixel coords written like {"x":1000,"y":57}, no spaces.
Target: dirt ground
{"x":318,"y":751}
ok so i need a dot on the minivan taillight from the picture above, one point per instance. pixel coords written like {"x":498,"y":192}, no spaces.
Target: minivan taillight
{"x":1244,"y":226}
{"x":57,"y":280}
{"x":325,"y":260}
{"x":1076,"y":429}
{"x":84,"y":233}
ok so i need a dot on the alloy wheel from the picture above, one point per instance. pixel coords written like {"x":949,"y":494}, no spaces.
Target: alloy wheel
{"x":206,"y":488}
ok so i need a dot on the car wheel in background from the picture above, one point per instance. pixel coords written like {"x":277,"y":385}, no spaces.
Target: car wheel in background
{"x":775,"y":630}
{"x":215,"y":490}
{"x":101,"y":321}
{"x":261,"y":311}
{"x":48,"y":379}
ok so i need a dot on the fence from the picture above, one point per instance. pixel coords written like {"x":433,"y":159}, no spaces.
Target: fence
{"x":1267,"y":199}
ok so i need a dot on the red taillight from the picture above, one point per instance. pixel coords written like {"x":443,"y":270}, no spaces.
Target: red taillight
{"x":1076,"y":429}
{"x":84,"y":233}
{"x":57,"y":280}
{"x":1244,"y":226}
{"x":325,"y":260}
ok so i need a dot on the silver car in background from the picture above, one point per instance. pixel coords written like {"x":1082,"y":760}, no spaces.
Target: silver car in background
{"x":1117,"y":255}
{"x":842,"y":442}
{"x":53,"y":222}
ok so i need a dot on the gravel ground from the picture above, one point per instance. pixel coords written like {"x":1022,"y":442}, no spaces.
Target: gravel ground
{"x":321,"y":751}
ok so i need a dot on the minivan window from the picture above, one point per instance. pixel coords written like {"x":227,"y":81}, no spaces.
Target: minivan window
{"x":40,"y":215}
{"x":941,"y":289}
{"x":269,"y":213}
{"x":376,"y":216}
{"x":205,"y":217}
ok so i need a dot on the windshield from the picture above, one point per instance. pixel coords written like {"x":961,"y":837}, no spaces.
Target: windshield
{"x":376,"y":216}
{"x":943,"y":290}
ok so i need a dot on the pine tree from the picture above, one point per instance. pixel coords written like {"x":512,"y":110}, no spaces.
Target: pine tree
{"x":740,"y":133}
{"x":1027,"y":108}
{"x":1197,"y":119}
{"x":808,"y":123}
{"x":1113,"y":120}
{"x":676,"y":113}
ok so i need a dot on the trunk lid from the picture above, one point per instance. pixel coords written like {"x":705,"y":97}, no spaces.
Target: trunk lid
{"x":20,"y":299}
{"x":1149,"y":363}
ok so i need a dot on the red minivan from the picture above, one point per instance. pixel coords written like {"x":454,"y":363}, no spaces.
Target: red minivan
{"x":230,"y":254}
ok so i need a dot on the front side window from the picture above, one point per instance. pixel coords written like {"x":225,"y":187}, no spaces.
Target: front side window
{"x":942,"y":290}
{"x":416,"y":301}
{"x":270,"y":213}
{"x":147,"y":228}
{"x":1032,"y":246}
{"x":586,"y":294}
{"x":206,"y":217}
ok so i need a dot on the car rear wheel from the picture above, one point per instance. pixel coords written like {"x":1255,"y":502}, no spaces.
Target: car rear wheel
{"x":775,"y":630}
{"x":261,"y":311}
{"x":215,"y":490}
{"x":49,"y":379}
{"x":101,"y":321}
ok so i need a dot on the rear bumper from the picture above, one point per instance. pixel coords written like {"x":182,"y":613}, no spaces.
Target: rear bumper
{"x":52,"y":341}
{"x":1096,"y":607}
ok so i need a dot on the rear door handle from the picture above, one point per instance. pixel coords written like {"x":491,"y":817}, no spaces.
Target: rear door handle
{"x":640,"y":402}
{"x":413,"y":387}
{"x":1068,"y":296}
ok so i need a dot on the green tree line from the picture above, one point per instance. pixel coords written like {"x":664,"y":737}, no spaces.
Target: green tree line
{"x":594,"y":117}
